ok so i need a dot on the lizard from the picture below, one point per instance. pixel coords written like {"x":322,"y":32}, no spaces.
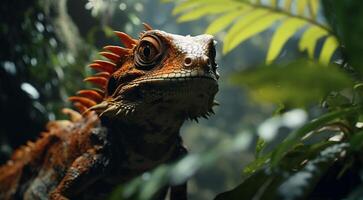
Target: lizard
{"x":127,"y":125}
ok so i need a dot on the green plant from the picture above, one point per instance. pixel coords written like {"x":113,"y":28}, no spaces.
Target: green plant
{"x":247,"y":18}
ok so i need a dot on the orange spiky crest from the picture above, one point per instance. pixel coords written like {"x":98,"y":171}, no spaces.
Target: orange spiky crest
{"x":86,"y":99}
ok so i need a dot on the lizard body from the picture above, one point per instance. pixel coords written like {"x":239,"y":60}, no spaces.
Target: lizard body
{"x":129,"y":125}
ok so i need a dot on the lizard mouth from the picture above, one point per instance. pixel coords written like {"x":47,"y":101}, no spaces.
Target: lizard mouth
{"x":169,"y":87}
{"x":192,"y":96}
{"x":174,"y":84}
{"x":178,"y":80}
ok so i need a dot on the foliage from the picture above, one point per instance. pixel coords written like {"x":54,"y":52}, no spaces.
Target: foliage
{"x":247,"y":18}
{"x":302,"y":171}
{"x":306,"y":84}
{"x":32,"y":79}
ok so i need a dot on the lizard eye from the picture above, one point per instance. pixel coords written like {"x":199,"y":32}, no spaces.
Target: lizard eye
{"x":148,"y":52}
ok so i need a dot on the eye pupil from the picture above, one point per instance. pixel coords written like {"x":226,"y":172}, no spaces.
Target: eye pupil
{"x":147,"y":51}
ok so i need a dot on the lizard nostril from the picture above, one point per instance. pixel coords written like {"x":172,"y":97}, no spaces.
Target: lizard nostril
{"x":188,"y":61}
{"x":208,"y":61}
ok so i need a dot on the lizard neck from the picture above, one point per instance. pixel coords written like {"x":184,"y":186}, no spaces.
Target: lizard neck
{"x":145,"y":143}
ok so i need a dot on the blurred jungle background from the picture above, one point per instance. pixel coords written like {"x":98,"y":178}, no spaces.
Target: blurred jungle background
{"x":289,"y":124}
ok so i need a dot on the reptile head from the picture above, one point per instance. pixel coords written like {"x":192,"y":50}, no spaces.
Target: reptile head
{"x":158,"y":72}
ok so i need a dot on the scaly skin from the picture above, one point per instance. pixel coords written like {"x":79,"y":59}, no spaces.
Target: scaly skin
{"x":128,"y":126}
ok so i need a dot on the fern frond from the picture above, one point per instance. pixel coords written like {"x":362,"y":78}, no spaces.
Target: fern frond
{"x":206,"y":10}
{"x":313,"y":8}
{"x":329,"y":47}
{"x":252,"y":27}
{"x":223,"y":21}
{"x":282,"y":34}
{"x":301,"y":7}
{"x":247,"y":18}
{"x":309,"y":39}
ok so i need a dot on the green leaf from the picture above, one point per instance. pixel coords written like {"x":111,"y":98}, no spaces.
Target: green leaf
{"x":296,"y":136}
{"x":251,"y":26}
{"x":206,"y":10}
{"x":283,"y":33}
{"x":313,"y":8}
{"x":329,"y":47}
{"x":190,"y":4}
{"x":310,"y":38}
{"x":261,"y":144}
{"x":301,"y":6}
{"x":307,"y":83}
{"x":287,"y":5}
{"x":225,"y":20}
{"x":248,"y":17}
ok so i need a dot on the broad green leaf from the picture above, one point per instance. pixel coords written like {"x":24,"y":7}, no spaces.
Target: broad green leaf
{"x":329,"y":47}
{"x":287,"y":5}
{"x":282,"y":34}
{"x":225,"y":20}
{"x":301,"y":6}
{"x":296,"y":136}
{"x":313,"y":8}
{"x":254,"y":27}
{"x":309,"y":39}
{"x":248,"y":18}
{"x":307,"y":83}
{"x":189,"y":4}
{"x":206,"y":10}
